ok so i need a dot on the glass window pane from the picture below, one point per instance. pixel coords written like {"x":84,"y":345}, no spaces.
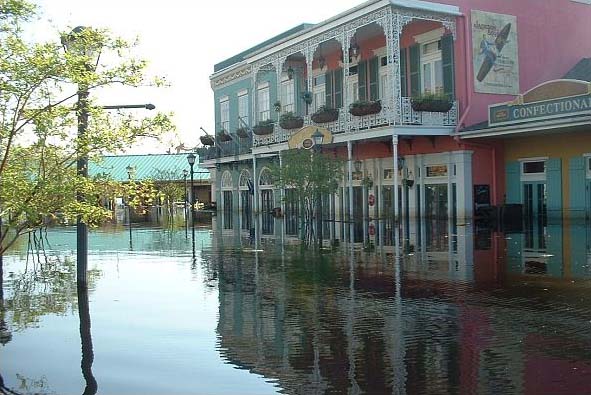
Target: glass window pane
{"x":427,"y":86}
{"x":438,"y":76}
{"x":534,"y":167}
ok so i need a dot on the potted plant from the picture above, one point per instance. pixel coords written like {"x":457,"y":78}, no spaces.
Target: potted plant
{"x":224,"y":136}
{"x":290,"y":121}
{"x":362,"y":107}
{"x":307,"y":97}
{"x":263,"y":127}
{"x":325,"y":114}
{"x":277,"y":106}
{"x":431,"y":102}
{"x":206,"y":139}
{"x":242,"y":132}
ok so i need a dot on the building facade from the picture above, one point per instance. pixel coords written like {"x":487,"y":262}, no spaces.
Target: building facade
{"x":393,"y":86}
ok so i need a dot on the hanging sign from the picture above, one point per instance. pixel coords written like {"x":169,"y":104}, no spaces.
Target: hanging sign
{"x":371,"y":199}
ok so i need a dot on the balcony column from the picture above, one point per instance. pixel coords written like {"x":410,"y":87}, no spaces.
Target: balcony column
{"x":282,"y":201}
{"x":255,"y":201}
{"x":393,"y":31}
{"x":254,"y":97}
{"x":395,"y":158}
{"x":350,"y":177}
{"x":346,"y":98}
{"x":309,"y":78}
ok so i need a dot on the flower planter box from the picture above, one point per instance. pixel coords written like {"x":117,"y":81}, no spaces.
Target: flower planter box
{"x":262,"y":130}
{"x":223,"y":137}
{"x":431,"y":105}
{"x":242,"y":133}
{"x":368,"y":108}
{"x":206,"y":140}
{"x":292,"y":123}
{"x":325,"y":116}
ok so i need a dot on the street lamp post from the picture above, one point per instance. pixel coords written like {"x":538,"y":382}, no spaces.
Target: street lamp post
{"x":191,"y":159}
{"x":130,"y":175}
{"x":75,"y":43}
{"x":318,"y":137}
{"x":185,"y":174}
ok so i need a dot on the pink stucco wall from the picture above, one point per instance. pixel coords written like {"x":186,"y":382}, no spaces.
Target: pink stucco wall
{"x":553,"y":36}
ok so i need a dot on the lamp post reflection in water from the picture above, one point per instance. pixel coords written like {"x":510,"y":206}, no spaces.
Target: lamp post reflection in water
{"x":86,"y":341}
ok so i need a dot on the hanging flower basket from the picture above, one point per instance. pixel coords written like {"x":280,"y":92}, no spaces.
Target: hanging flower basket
{"x":325,"y":114}
{"x":206,"y":140}
{"x":224,"y":136}
{"x":431,"y":103}
{"x":361,"y":108}
{"x":263,"y":128}
{"x":242,"y":133}
{"x":290,"y":121}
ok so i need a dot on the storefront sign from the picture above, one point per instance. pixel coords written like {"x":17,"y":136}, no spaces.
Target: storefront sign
{"x":495,"y":53}
{"x":548,"y":109}
{"x":303,"y":137}
{"x":437,"y":171}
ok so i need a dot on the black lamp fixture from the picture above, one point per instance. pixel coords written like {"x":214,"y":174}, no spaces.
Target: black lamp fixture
{"x":130,"y":172}
{"x":354,"y":49}
{"x":401,"y":162}
{"x":290,"y":72}
{"x":191,"y":159}
{"x":80,"y":42}
{"x":317,"y":137}
{"x":357,"y":164}
{"x":321,"y":62}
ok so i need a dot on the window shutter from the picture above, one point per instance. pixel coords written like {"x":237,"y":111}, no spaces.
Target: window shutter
{"x":554,"y":187}
{"x":513,"y":182}
{"x":374,"y":67}
{"x":576,"y":180}
{"x":362,"y":79}
{"x":447,"y":61}
{"x":415,"y":70}
{"x":338,"y":88}
{"x":403,"y":74}
{"x":329,"y":88}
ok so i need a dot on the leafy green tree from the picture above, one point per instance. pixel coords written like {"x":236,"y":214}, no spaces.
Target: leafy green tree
{"x":170,"y":188}
{"x":306,"y":176}
{"x":39,"y":143}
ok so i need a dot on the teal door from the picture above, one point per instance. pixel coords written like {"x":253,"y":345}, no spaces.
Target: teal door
{"x":534,"y":199}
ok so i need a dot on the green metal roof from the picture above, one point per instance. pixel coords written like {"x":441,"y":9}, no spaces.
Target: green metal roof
{"x":145,"y":166}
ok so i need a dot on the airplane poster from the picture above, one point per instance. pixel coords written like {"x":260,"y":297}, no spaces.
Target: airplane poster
{"x":495,"y":53}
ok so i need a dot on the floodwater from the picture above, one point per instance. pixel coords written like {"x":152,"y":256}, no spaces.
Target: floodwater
{"x":459,"y":310}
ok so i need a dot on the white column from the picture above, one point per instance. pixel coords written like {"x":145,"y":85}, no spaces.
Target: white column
{"x":395,"y":158}
{"x":255,"y":211}
{"x":350,"y":177}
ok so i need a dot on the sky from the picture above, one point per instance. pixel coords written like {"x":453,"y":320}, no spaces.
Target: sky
{"x":182,"y":40}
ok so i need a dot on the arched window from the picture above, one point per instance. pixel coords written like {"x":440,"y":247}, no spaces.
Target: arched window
{"x":265,"y":179}
{"x":244,"y":177}
{"x":227,"y":180}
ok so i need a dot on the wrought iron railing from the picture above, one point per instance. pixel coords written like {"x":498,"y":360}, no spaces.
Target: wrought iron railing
{"x":387,"y":116}
{"x":411,"y":117}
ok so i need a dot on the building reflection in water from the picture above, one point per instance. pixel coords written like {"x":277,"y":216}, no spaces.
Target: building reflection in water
{"x":459,"y":309}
